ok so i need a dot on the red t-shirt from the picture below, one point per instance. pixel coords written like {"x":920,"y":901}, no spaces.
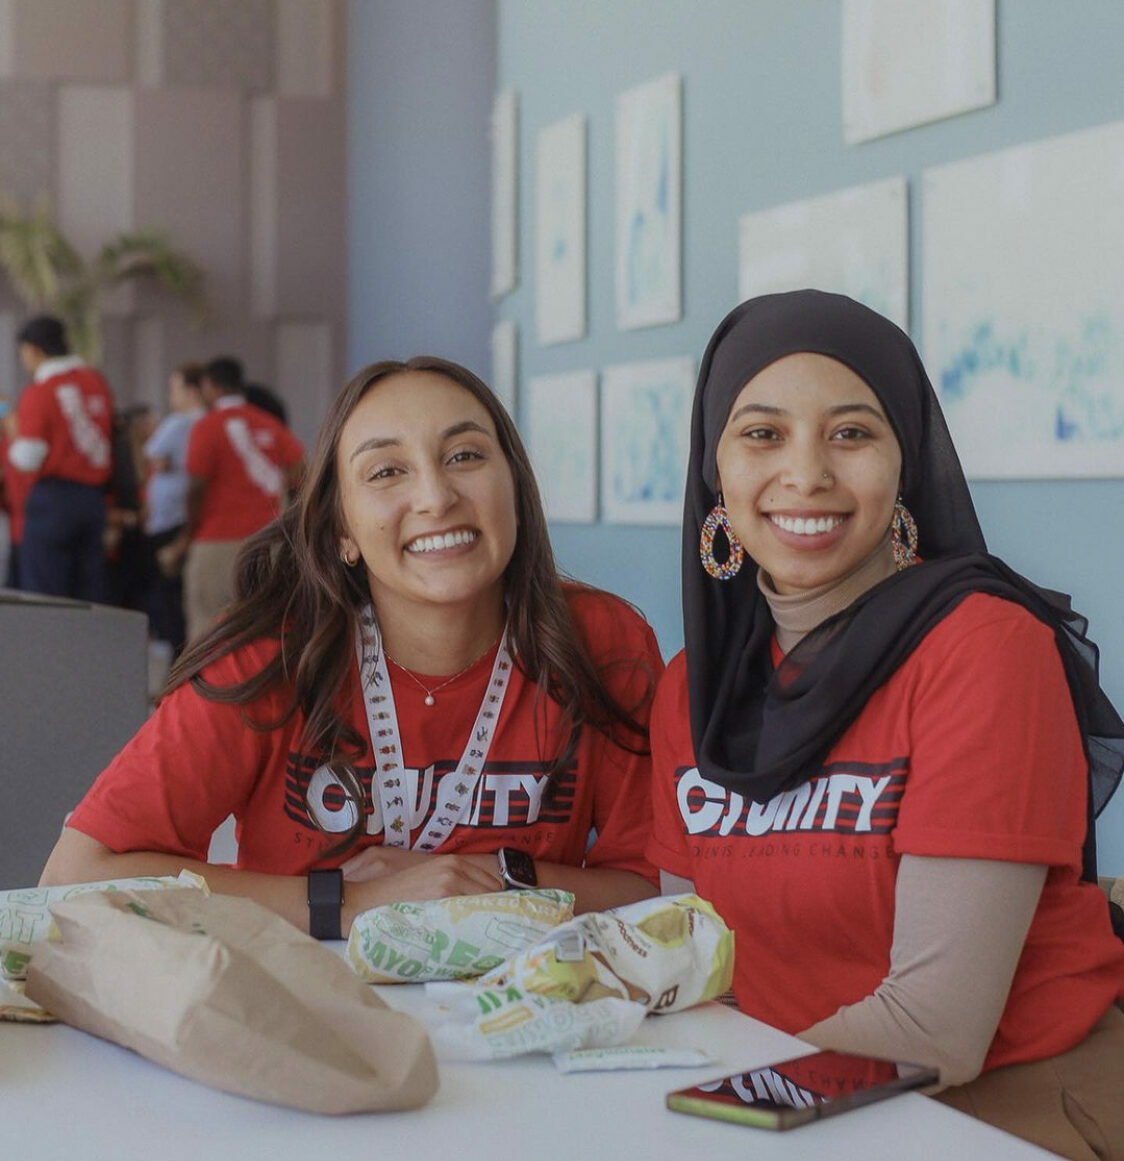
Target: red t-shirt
{"x":196,"y":761}
{"x":72,"y":412}
{"x":241,"y":452}
{"x":970,"y":750}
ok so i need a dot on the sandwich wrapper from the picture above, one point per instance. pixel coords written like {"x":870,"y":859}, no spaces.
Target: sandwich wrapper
{"x":223,"y":991}
{"x":587,"y":983}
{"x":452,"y":939}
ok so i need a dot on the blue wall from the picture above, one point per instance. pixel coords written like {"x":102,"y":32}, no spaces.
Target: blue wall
{"x":762,"y":126}
{"x":420,"y":83}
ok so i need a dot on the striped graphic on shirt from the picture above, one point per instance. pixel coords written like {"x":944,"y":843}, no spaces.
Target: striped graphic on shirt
{"x":508,"y":795}
{"x":844,"y":798}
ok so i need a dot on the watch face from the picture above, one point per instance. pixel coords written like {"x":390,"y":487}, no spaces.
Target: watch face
{"x":517,"y":868}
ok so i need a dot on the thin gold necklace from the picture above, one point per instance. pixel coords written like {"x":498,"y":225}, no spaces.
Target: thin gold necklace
{"x":429,"y":693}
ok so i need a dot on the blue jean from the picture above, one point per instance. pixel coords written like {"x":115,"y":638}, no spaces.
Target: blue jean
{"x":61,"y":553}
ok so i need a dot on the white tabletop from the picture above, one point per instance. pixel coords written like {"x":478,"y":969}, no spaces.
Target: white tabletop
{"x":65,"y":1095}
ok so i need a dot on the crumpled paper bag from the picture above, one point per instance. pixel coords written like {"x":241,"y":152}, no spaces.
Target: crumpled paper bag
{"x":588,"y":983}
{"x":225,"y":992}
{"x":451,"y":939}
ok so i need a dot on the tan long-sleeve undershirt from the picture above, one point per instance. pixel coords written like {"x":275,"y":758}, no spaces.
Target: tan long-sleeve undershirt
{"x":959,"y":929}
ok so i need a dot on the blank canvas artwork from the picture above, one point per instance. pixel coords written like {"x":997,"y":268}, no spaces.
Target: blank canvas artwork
{"x":648,"y":203}
{"x":560,"y":231}
{"x":505,"y":176}
{"x":853,"y":242}
{"x":1023,"y":296}
{"x":645,"y":439}
{"x":560,"y":421}
{"x":908,"y":62}
{"x":505,"y":351}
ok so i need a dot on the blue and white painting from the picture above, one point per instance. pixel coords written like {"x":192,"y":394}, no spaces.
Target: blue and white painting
{"x":645,"y":440}
{"x":854,"y":241}
{"x":1024,"y":306}
{"x":560,"y":420}
{"x":505,"y":363}
{"x":560,"y":231}
{"x":909,"y":62}
{"x":648,"y":203}
{"x":505,"y":177}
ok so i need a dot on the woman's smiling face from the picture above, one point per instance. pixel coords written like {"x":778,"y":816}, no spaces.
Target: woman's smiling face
{"x":809,"y":469}
{"x":427,"y":496}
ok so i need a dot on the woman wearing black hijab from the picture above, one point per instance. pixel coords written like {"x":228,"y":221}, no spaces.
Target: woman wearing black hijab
{"x":881,"y":751}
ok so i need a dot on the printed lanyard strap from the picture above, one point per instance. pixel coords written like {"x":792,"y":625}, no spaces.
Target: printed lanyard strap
{"x":386,"y":742}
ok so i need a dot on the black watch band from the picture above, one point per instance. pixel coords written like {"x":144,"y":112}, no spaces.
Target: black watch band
{"x":325,"y":904}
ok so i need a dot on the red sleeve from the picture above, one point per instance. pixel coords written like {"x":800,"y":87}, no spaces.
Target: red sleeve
{"x":997,"y":769}
{"x":671,"y":733}
{"x":625,"y":650}
{"x":201,"y":449}
{"x":35,"y":413}
{"x":193,"y":763}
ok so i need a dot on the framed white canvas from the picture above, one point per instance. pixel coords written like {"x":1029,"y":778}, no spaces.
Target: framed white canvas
{"x":645,"y":440}
{"x":505,"y":363}
{"x":1023,"y":286}
{"x":853,"y":242}
{"x":561,"y":425}
{"x":909,"y":62}
{"x":560,"y":231}
{"x":505,"y":180}
{"x":649,"y":123}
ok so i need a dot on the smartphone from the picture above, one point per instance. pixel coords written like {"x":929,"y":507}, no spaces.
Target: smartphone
{"x":794,"y":1092}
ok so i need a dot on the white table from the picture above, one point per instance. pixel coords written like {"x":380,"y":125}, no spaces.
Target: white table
{"x":66,"y":1096}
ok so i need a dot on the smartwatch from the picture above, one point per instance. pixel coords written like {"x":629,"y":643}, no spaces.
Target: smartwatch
{"x":517,"y":869}
{"x":325,"y":904}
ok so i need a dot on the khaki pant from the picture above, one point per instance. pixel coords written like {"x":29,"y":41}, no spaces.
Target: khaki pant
{"x":208,"y":582}
{"x":1072,"y":1104}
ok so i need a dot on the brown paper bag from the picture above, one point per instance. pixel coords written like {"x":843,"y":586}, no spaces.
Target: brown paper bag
{"x":223,"y":991}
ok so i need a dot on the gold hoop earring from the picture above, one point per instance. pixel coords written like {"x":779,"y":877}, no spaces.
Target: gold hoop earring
{"x":903,"y":536}
{"x":727,"y":569}
{"x":349,"y":560}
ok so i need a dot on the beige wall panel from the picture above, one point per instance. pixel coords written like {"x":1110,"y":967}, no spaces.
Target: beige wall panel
{"x":7,"y":38}
{"x":219,"y":43}
{"x":150,"y":42}
{"x":27,"y":139}
{"x":116,"y":363}
{"x":95,"y":164}
{"x":244,"y":338}
{"x":263,"y":206}
{"x":305,"y":36}
{"x":305,"y":374}
{"x":74,"y":40}
{"x":149,"y":369}
{"x":191,"y":182}
{"x":311,"y":211}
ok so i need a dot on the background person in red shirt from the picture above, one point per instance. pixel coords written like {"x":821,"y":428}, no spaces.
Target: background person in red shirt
{"x":62,"y":443}
{"x":241,"y":462}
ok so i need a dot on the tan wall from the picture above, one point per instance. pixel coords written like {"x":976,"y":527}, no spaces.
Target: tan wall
{"x":219,"y":121}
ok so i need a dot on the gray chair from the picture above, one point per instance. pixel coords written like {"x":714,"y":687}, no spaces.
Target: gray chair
{"x":73,"y":690}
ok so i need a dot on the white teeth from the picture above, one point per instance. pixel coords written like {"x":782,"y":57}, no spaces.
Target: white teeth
{"x":807,"y":526}
{"x":436,"y":543}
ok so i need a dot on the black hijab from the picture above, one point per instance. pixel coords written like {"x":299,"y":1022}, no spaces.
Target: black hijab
{"x":758,"y":731}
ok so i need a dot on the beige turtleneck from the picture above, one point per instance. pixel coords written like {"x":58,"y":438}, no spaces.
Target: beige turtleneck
{"x":796,"y":615}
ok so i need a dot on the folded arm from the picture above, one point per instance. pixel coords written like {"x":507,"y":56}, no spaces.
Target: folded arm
{"x":959,"y":929}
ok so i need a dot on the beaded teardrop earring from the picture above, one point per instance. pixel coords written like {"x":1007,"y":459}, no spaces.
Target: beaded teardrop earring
{"x":728,"y":569}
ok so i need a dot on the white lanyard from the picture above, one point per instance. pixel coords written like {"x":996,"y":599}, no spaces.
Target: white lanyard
{"x":386,"y":744}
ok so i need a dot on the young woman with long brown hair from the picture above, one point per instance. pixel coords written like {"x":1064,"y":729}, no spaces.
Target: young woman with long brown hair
{"x":403,"y":687}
